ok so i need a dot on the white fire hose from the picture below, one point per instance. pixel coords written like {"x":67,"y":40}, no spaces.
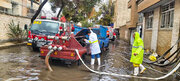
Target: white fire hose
{"x":47,"y":60}
{"x":128,"y":76}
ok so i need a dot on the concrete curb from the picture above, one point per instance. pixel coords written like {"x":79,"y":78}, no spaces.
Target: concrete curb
{"x":12,"y":45}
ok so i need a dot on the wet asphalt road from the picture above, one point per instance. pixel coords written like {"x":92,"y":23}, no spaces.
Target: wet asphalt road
{"x":22,"y":62}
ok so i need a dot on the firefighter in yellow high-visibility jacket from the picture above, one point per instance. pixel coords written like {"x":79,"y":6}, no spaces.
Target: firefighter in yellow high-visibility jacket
{"x":137,"y":54}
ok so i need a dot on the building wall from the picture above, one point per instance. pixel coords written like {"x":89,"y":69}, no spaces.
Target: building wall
{"x":147,"y":38}
{"x":164,"y":41}
{"x":156,"y":38}
{"x":24,"y":8}
{"x":155,"y":27}
{"x":122,"y":13}
{"x":133,"y":15}
{"x":5,"y":19}
{"x":124,"y":33}
{"x":168,"y":37}
{"x":125,"y":18}
{"x":6,"y":4}
{"x":146,"y":3}
{"x":176,"y":24}
{"x":17,"y":10}
{"x":35,"y":6}
{"x":18,"y":7}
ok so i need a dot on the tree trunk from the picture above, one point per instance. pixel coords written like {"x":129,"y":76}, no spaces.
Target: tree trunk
{"x":38,"y":11}
{"x":60,"y":10}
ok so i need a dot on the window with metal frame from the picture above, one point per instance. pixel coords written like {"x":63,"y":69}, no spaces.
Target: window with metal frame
{"x":140,"y":18}
{"x":149,"y":19}
{"x":4,"y":10}
{"x":167,"y":15}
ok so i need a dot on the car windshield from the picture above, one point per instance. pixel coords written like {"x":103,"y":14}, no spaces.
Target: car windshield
{"x":44,"y":27}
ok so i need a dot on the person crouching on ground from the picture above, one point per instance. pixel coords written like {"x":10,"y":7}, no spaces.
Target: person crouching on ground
{"x":94,"y":47}
{"x":137,"y":54}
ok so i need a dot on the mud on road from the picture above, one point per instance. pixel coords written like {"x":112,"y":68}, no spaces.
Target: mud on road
{"x":21,"y":62}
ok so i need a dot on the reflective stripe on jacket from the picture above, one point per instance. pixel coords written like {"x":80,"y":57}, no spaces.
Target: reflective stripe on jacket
{"x":93,"y":41}
{"x":138,"y":48}
{"x":94,"y":44}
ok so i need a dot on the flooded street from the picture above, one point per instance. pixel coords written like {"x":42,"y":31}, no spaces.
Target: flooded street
{"x":22,"y":62}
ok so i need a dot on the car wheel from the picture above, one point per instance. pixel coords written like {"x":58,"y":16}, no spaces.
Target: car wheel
{"x":35,"y":48}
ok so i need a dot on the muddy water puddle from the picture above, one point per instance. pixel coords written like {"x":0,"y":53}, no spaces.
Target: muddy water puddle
{"x":23,"y":64}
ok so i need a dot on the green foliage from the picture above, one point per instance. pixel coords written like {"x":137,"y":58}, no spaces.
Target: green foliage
{"x":106,"y":20}
{"x":96,"y":15}
{"x":58,"y":4}
{"x":75,"y":10}
{"x":108,"y":13}
{"x":15,"y":32}
{"x":86,"y":24}
{"x":79,"y":10}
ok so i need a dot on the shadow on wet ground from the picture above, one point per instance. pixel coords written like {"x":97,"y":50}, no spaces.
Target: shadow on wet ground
{"x":21,"y":62}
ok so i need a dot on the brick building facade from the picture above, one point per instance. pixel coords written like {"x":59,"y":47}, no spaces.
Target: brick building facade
{"x":157,"y":21}
{"x":121,"y":17}
{"x":17,"y":10}
{"x":19,"y":7}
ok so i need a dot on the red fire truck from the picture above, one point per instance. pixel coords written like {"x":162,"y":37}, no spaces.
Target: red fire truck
{"x":42,"y":30}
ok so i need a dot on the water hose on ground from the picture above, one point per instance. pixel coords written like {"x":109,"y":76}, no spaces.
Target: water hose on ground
{"x":168,"y":64}
{"x":175,"y":53}
{"x":163,"y":55}
{"x":156,"y":63}
{"x":129,"y":76}
{"x":14,"y":79}
{"x":47,"y":59}
{"x":174,"y":60}
{"x":171,"y":63}
{"x":144,"y":65}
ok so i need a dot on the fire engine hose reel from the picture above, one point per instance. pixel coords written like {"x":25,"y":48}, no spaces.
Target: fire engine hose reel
{"x":129,"y":76}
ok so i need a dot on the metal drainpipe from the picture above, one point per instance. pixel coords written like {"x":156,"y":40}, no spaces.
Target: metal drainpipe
{"x":31,"y":4}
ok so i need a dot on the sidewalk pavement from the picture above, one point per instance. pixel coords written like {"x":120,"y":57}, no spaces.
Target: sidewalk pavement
{"x":11,"y":44}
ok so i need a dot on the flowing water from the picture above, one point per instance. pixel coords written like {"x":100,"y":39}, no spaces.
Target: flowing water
{"x":23,"y":64}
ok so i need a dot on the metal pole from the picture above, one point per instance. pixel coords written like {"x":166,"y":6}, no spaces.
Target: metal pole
{"x":41,"y":13}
